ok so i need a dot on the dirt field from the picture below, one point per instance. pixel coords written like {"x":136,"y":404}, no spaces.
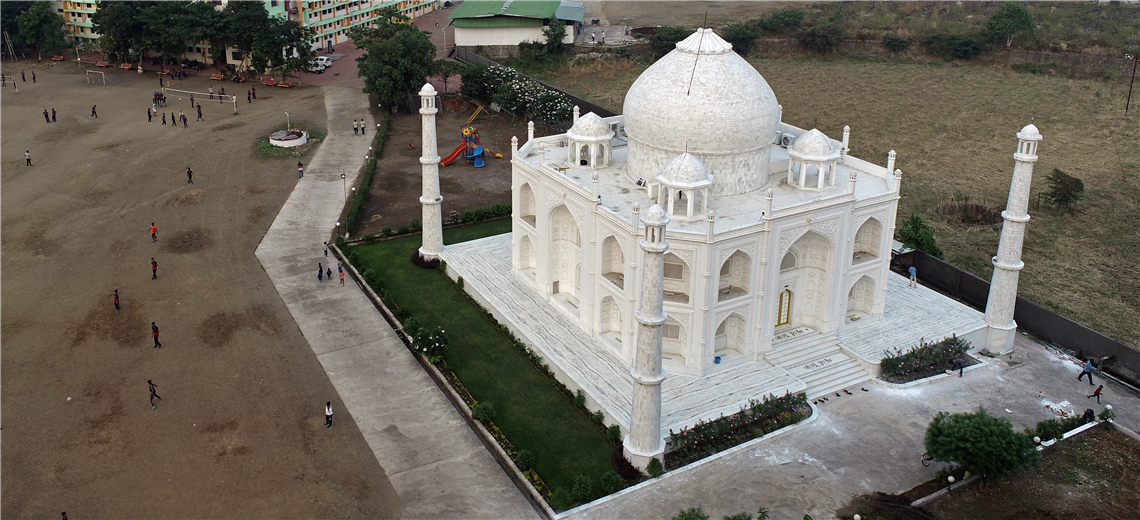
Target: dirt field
{"x":393,"y":198}
{"x":239,"y":431}
{"x":953,"y":128}
{"x":1094,"y":476}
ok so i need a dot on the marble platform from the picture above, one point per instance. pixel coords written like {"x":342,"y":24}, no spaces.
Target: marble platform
{"x":581,"y":361}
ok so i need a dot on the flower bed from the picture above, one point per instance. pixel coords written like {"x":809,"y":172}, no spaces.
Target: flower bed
{"x":925,"y":360}
{"x":755,"y":420}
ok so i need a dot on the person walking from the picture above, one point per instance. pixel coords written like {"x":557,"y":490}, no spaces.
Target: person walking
{"x":28,"y":157}
{"x":191,"y":100}
{"x":1096,"y":393}
{"x":328,"y":273}
{"x":181,"y":115}
{"x":211,"y":93}
{"x":173,"y":121}
{"x":153,"y":269}
{"x":593,"y":37}
{"x":1087,"y":371}
{"x":254,"y":91}
{"x":355,"y":128}
{"x":116,"y":299}
{"x":222,"y":95}
{"x":164,"y":119}
{"x":320,"y":272}
{"x":153,"y":233}
{"x":200,"y":112}
{"x":189,"y":176}
{"x":22,"y":78}
{"x":362,"y":126}
{"x":913,"y":276}
{"x":53,"y":115}
{"x":148,"y":115}
{"x":326,"y":248}
{"x":328,"y":415}
{"x":341,"y":274}
{"x":248,"y":96}
{"x":46,"y":118}
{"x":93,"y":112}
{"x":184,"y":121}
{"x":33,"y":76}
{"x":960,"y":365}
{"x":154,"y":332}
{"x":301,"y":172}
{"x":153,"y":394}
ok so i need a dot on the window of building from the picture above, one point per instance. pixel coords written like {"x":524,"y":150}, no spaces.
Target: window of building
{"x":674,"y":271}
{"x":235,"y":55}
{"x":272,"y":3}
{"x":671,"y":331}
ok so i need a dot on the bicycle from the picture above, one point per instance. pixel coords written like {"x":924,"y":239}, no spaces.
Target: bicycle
{"x":926,"y":460}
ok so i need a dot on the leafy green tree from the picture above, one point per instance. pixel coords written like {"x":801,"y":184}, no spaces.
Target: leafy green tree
{"x":692,"y":513}
{"x":123,"y":28}
{"x":742,"y":36}
{"x":283,"y":45}
{"x":9,"y":12}
{"x":554,"y":33}
{"x":979,"y":442}
{"x":665,"y":39}
{"x":247,"y":22}
{"x":1010,"y":20}
{"x":1064,"y":189}
{"x":655,"y":468}
{"x":202,"y":23}
{"x":159,"y":30}
{"x":42,"y":28}
{"x":823,"y":38}
{"x":782,"y":21}
{"x":445,"y":69}
{"x":917,"y":235}
{"x":895,"y":43}
{"x":397,"y":60}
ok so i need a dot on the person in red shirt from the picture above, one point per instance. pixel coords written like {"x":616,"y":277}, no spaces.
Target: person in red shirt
{"x":153,"y":269}
{"x":116,"y":299}
{"x":154,"y":332}
{"x":1096,"y":393}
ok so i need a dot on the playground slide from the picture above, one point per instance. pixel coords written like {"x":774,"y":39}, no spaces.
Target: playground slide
{"x":477,"y":156}
{"x":455,"y":154}
{"x":489,"y":152}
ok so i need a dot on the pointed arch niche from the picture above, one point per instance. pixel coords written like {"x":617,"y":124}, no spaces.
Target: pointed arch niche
{"x":868,"y":241}
{"x":527,"y":204}
{"x":673,"y":341}
{"x":609,"y":322}
{"x":613,"y":262}
{"x":731,"y":336}
{"x":861,"y":298}
{"x":678,"y":279}
{"x":565,"y":257}
{"x":735,"y":276}
{"x":809,"y":280}
{"x":526,"y":255}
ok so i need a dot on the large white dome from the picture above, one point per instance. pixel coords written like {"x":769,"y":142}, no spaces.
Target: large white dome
{"x":703,"y":99}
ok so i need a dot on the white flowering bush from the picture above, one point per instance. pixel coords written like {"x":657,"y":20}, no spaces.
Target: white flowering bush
{"x":552,"y":107}
{"x":518,"y":94}
{"x":432,"y":343}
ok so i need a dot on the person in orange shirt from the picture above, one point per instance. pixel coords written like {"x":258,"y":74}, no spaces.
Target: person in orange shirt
{"x":153,"y":233}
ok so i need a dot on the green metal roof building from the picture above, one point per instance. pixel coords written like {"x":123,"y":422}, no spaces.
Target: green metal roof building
{"x":510,"y":22}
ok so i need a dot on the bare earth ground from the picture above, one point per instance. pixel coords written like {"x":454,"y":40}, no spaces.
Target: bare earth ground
{"x":393,"y":198}
{"x":1095,"y":475}
{"x":239,"y":432}
{"x":953,"y":127}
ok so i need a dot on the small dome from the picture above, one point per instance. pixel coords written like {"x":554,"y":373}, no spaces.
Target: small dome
{"x":428,"y":90}
{"x":813,"y":144}
{"x":655,"y":216}
{"x":1029,"y":133}
{"x":685,"y":171}
{"x":590,"y":125}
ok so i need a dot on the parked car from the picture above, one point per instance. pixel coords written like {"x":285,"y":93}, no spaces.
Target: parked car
{"x":315,"y":66}
{"x":325,"y":60}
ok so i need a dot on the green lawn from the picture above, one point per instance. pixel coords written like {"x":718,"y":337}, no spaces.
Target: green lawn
{"x":531,"y":412}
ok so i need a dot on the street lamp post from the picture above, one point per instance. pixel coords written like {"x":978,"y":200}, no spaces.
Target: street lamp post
{"x":345,"y":183}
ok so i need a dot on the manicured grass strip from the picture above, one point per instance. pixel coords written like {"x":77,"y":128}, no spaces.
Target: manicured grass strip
{"x":531,"y":412}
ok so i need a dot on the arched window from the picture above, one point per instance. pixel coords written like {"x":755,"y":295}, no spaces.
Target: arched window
{"x":613,"y":262}
{"x":789,"y":261}
{"x":527,"y":204}
{"x":677,"y":279}
{"x":735,"y":276}
{"x":784,"y":311}
{"x":868,"y":240}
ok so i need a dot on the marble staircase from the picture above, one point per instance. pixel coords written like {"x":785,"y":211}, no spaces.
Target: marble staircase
{"x":817,"y":361}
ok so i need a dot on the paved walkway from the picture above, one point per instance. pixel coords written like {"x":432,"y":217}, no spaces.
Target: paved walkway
{"x":865,"y":442}
{"x":437,"y":465}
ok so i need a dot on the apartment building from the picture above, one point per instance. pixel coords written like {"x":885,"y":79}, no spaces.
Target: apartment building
{"x":77,"y":19}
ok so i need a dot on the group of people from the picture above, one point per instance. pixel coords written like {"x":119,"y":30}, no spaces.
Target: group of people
{"x":358,"y":127}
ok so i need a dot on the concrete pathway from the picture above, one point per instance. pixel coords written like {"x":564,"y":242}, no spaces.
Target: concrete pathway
{"x":866,"y":442}
{"x":437,"y":465}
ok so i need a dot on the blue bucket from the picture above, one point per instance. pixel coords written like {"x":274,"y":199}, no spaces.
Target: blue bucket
{"x":716,"y":360}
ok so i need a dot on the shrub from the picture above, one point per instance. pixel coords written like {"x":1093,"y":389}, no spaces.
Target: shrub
{"x":917,"y":235}
{"x":665,"y":39}
{"x":525,"y":460}
{"x":442,"y":266}
{"x":610,"y":482}
{"x":599,"y":417}
{"x":424,"y":262}
{"x":948,"y":46}
{"x":1064,"y":189}
{"x":624,"y":467}
{"x":692,"y":513}
{"x":924,"y":360}
{"x":552,"y":107}
{"x":823,"y":38}
{"x":613,"y":433}
{"x":758,"y":418}
{"x":895,"y":43}
{"x":432,"y":343}
{"x":483,"y":412}
{"x":412,"y":326}
{"x":742,"y":36}
{"x":580,"y":399}
{"x":386,"y":231}
{"x":966,"y":48}
{"x":743,"y":515}
{"x":1009,"y":20}
{"x":655,"y":468}
{"x":782,"y":21}
{"x":981,"y":443}
{"x":369,"y":277}
{"x":583,"y":488}
{"x":459,"y":283}
{"x":561,"y":500}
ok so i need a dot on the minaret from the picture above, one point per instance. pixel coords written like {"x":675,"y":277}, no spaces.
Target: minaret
{"x":1007,"y":263}
{"x":644,"y":442}
{"x":430,"y":199}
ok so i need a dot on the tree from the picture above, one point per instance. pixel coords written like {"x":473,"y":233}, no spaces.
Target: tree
{"x":555,"y":32}
{"x":9,"y":13}
{"x":397,"y":60}
{"x":445,"y":69}
{"x":1064,"y":189}
{"x":823,"y":38}
{"x":979,"y":442}
{"x":160,"y":32}
{"x":782,"y":21}
{"x":202,"y":23}
{"x":42,"y":28}
{"x":692,"y":513}
{"x":917,"y":235}
{"x":1009,"y":20}
{"x":665,"y":39}
{"x":122,"y":28}
{"x":742,"y":36}
{"x":247,"y":21}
